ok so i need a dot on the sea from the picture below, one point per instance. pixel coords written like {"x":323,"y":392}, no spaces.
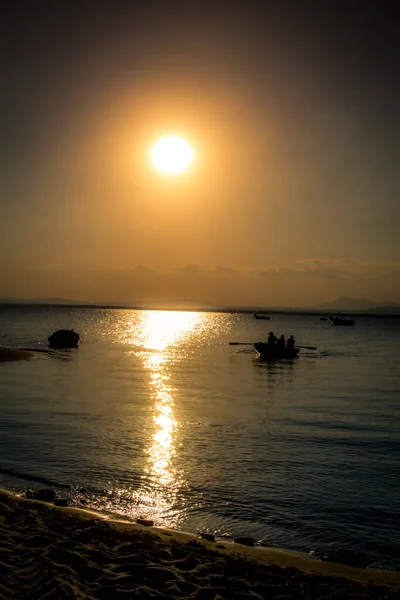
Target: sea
{"x":156,"y":415}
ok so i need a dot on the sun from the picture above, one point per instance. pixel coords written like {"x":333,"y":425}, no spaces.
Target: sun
{"x":171,"y":155}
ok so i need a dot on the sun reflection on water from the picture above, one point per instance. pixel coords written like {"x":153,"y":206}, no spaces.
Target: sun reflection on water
{"x":159,"y":335}
{"x":162,"y":329}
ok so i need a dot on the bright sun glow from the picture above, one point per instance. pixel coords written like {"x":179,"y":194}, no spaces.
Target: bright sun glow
{"x":171,"y":155}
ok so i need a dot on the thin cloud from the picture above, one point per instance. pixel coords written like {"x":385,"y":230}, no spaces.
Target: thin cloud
{"x":304,"y":283}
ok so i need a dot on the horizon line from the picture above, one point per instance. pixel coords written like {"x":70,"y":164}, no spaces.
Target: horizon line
{"x":229,"y":310}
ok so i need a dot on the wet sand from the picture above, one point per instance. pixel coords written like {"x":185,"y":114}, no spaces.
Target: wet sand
{"x":53,"y":552}
{"x":11,"y":354}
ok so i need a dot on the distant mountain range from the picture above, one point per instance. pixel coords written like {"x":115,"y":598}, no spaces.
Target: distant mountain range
{"x":176,"y":303}
{"x":359,"y":304}
{"x":41,"y":301}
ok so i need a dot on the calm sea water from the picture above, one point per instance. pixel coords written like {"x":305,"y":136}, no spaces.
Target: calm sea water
{"x":157,"y":416}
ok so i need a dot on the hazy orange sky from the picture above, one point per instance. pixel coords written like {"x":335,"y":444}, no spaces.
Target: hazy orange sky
{"x":292,"y":112}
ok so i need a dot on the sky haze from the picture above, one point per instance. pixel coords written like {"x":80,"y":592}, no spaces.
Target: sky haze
{"x":291,"y":109}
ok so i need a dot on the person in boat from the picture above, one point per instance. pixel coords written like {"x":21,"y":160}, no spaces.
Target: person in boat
{"x":271,"y":339}
{"x":280,"y":344}
{"x":290,"y":342}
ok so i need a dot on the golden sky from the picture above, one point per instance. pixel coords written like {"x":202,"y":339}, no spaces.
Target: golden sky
{"x":292,"y":197}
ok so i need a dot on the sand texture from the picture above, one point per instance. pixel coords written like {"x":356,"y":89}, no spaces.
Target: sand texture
{"x":50,"y":553}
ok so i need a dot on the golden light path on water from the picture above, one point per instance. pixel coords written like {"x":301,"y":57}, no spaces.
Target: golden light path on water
{"x":159,"y":334}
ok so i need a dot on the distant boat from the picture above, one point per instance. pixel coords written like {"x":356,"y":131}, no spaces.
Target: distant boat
{"x":268,"y":352}
{"x":340,"y":321}
{"x":261,"y":315}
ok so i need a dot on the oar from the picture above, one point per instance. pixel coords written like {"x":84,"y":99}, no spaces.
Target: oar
{"x":252,"y":344}
{"x":307,"y":347}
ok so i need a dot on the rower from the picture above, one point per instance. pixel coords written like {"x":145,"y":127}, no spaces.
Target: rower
{"x":281,"y":343}
{"x":271,"y":339}
{"x":290,"y":342}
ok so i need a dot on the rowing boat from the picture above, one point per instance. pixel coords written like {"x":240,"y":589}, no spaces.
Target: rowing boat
{"x":262,"y":315}
{"x":268,"y":352}
{"x":64,"y":338}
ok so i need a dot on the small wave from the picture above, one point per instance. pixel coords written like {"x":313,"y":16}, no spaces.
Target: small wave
{"x":34,"y":349}
{"x":324,"y":353}
{"x":34,"y":478}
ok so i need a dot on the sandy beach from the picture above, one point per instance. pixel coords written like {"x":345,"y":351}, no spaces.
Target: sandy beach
{"x":54,"y":552}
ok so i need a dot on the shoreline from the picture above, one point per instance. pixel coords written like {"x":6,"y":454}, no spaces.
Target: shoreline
{"x":90,"y":552}
{"x":309,"y":561}
{"x":14,"y":354}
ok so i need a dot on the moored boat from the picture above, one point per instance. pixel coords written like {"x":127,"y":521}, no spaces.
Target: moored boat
{"x":268,"y":352}
{"x":262,"y":315}
{"x":341,"y":322}
{"x":64,"y":338}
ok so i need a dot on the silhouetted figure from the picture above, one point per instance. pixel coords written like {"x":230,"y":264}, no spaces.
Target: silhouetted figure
{"x":281,"y":343}
{"x":290,"y":342}
{"x":271,"y":339}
